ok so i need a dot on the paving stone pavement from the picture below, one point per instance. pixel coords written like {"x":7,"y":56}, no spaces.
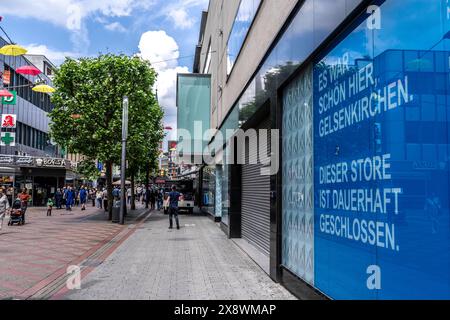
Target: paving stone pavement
{"x":34,"y":255}
{"x":197,"y":262}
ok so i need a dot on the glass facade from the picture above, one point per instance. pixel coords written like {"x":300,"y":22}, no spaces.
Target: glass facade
{"x":193,"y":102}
{"x":298,"y":187}
{"x":225,"y":194}
{"x":381,"y":130}
{"x":218,"y":189}
{"x":208,"y":187}
{"x":242,"y":23}
{"x":376,"y":104}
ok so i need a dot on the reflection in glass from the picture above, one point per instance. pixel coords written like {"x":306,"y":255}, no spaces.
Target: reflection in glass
{"x":395,"y":82}
{"x":244,"y":18}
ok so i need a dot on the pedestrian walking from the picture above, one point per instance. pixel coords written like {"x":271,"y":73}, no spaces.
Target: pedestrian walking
{"x":58,"y":199}
{"x":129,"y":196}
{"x":147,"y":197}
{"x":4,"y":206}
{"x":105,"y":199}
{"x":49,"y":207}
{"x":64,"y":201}
{"x":99,"y":197}
{"x":139,"y":193}
{"x":174,"y":196}
{"x":24,"y":199}
{"x":92,"y":196}
{"x":83,"y":194}
{"x":70,"y":198}
{"x":76,"y":197}
{"x":160,"y":199}
{"x":153,"y":199}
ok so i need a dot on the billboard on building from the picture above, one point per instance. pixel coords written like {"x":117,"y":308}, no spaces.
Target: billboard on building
{"x":381,"y":158}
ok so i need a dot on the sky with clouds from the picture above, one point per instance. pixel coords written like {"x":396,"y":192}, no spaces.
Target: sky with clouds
{"x":163,"y":31}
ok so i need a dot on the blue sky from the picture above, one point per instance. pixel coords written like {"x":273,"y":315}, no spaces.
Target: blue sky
{"x":157,"y":29}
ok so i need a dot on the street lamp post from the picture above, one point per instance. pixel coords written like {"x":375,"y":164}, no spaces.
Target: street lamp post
{"x":123,"y":202}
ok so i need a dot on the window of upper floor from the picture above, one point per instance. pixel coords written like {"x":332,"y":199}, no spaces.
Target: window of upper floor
{"x":241,"y":26}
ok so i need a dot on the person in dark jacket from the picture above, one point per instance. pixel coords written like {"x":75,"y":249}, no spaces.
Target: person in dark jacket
{"x":83,"y":194}
{"x":152,"y":198}
{"x":58,"y":199}
{"x":70,"y":198}
{"x":173,"y":199}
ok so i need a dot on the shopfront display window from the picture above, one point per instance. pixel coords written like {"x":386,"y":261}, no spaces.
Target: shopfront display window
{"x":225,"y":194}
{"x":297,"y":166}
{"x":381,"y":156}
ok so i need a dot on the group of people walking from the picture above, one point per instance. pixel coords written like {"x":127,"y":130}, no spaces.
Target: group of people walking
{"x":69,"y":197}
{"x":153,"y":198}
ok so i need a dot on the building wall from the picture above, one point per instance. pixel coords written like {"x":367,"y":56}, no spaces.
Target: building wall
{"x":221,"y":16}
{"x":412,"y":134}
{"x":27,"y":113}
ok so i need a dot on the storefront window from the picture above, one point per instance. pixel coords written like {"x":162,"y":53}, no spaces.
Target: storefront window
{"x":297,"y":166}
{"x":209,"y":187}
{"x":381,"y":156}
{"x":218,"y":209}
{"x":225,"y":194}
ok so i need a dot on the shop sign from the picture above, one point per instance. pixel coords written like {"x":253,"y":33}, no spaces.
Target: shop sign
{"x":8,"y":139}
{"x":160,"y":181}
{"x":380,"y":229}
{"x":51,"y":162}
{"x":9,"y":121}
{"x":7,"y":77}
{"x":24,"y":161}
{"x":6,"y":160}
{"x":10,"y":100}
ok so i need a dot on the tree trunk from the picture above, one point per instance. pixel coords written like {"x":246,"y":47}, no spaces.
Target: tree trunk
{"x":133,"y":196}
{"x":109,"y":186}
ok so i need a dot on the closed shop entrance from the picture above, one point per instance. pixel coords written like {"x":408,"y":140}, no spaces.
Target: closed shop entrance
{"x":256,"y":194}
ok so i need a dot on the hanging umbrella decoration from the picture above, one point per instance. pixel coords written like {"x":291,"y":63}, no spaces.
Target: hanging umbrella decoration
{"x":5,"y":93}
{"x":13,"y":50}
{"x":43,"y":88}
{"x":28,"y":70}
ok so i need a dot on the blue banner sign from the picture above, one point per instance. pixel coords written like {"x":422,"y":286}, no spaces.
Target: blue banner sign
{"x":381,"y":157}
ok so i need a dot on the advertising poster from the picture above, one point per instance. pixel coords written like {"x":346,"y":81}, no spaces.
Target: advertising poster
{"x":381,"y":159}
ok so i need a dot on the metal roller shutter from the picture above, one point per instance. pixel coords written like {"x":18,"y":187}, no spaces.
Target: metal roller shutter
{"x":256,"y":198}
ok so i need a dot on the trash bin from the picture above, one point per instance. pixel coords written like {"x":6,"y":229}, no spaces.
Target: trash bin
{"x":116,"y":212}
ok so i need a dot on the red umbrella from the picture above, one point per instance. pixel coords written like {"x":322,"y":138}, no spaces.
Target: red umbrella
{"x":6,"y":93}
{"x":29,"y":70}
{"x":168,"y":128}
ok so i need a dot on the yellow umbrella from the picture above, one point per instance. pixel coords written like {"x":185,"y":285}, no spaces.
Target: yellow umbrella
{"x":43,"y":88}
{"x":12,"y":50}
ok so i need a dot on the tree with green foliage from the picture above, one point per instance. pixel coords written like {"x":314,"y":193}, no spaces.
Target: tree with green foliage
{"x":88,"y":170}
{"x":87,"y":117}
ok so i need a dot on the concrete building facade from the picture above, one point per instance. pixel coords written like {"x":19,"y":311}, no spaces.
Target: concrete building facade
{"x":31,"y":160}
{"x":350,"y":100}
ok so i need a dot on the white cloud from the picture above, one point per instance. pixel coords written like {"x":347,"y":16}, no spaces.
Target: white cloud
{"x":159,"y":48}
{"x":116,"y":27}
{"x":72,"y":14}
{"x":56,"y":57}
{"x":181,"y":19}
{"x":162,"y":51}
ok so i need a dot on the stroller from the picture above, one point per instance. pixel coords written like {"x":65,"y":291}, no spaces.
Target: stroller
{"x":16,"y":214}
